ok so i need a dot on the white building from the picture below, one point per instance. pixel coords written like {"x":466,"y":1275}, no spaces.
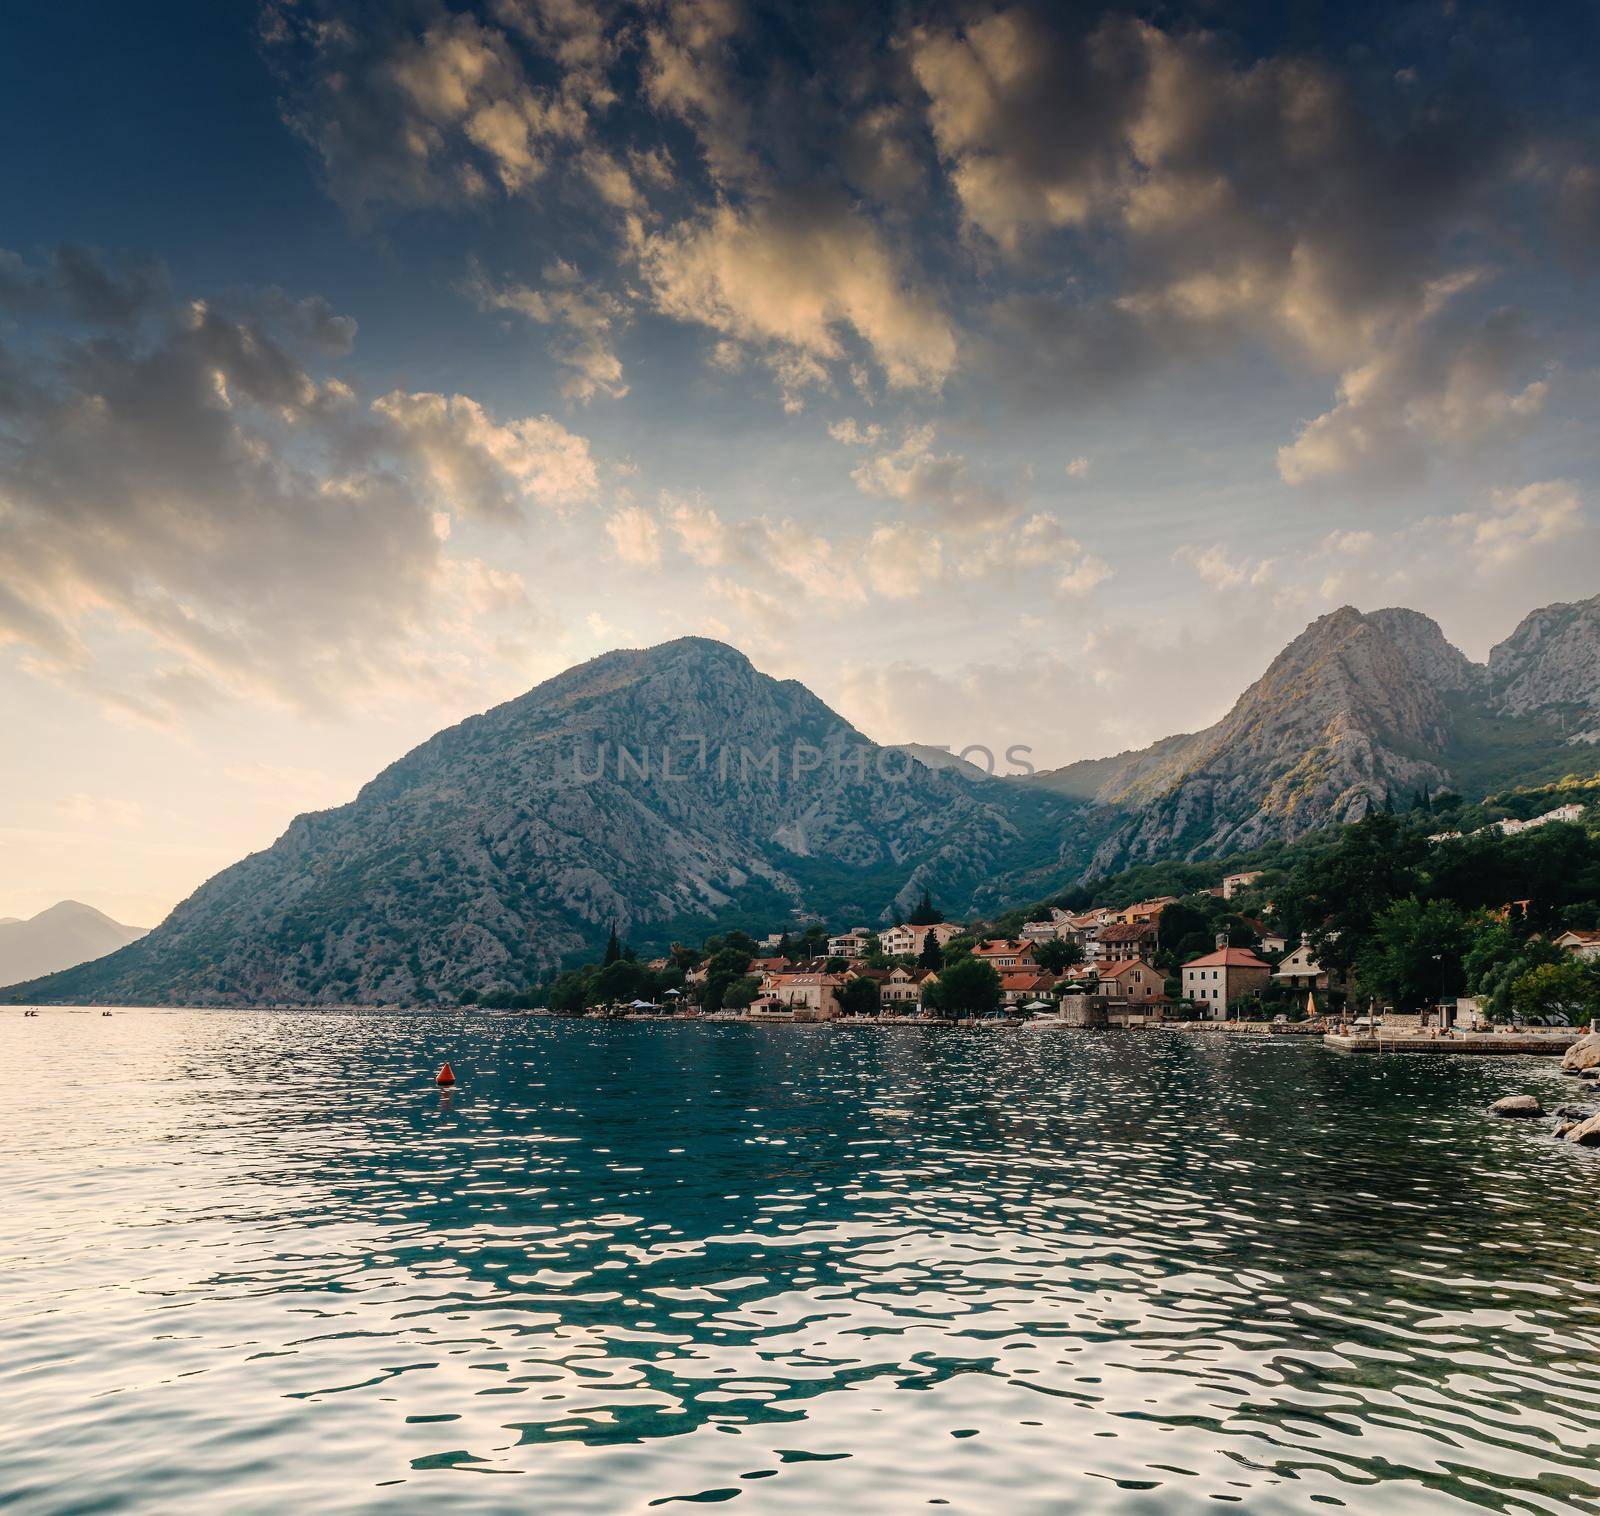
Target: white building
{"x":907,"y":940}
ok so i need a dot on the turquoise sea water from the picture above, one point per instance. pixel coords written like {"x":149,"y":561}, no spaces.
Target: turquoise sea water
{"x":256,"y":1262}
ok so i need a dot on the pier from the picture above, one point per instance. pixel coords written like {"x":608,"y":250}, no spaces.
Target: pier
{"x":1551,"y":1043}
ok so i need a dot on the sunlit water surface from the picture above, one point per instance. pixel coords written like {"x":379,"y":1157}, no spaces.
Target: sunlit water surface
{"x":256,"y":1262}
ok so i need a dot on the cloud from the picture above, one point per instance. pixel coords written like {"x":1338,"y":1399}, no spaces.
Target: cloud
{"x":794,"y":280}
{"x":587,"y":317}
{"x":484,"y":467}
{"x":190,"y":513}
{"x":1033,"y":542}
{"x":940,"y":485}
{"x":851,"y":433}
{"x":688,"y":72}
{"x":1078,"y":468}
{"x":1215,"y":568}
{"x":1433,"y":387}
{"x":1199,"y":201}
{"x":1516,"y":522}
{"x":635,"y":536}
{"x":421,"y":106}
{"x":1511,"y":543}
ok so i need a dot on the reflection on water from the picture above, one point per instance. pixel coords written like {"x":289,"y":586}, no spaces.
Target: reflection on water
{"x":257,"y":1262}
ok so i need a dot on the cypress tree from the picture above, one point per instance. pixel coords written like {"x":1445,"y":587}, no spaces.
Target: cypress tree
{"x":613,"y":948}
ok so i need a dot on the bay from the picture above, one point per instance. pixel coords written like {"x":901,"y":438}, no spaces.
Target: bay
{"x":256,"y":1261}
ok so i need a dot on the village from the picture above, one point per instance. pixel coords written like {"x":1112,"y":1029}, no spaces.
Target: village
{"x":1099,"y":967}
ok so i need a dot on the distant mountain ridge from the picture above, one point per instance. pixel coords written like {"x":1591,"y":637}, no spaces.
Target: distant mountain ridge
{"x":67,"y":934}
{"x":674,"y":790}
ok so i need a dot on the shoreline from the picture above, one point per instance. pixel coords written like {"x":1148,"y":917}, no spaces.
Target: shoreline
{"x":1511,"y":1042}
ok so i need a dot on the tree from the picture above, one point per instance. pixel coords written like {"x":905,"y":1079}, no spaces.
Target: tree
{"x":932,"y":955}
{"x":1569,"y":988}
{"x":613,"y":948}
{"x":741,"y":992}
{"x":1055,"y":956}
{"x":859,"y":997}
{"x":1415,"y":952}
{"x":959,"y":947}
{"x":1184,"y":920}
{"x":1335,"y":897}
{"x":968,"y":987}
{"x":619,"y":980}
{"x":926,"y":913}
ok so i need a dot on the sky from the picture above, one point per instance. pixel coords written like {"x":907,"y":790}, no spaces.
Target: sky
{"x":1007,"y":374}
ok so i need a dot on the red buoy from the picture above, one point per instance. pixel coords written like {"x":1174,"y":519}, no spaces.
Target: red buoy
{"x":447,"y":1076}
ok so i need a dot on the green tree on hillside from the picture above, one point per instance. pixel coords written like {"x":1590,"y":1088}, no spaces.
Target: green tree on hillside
{"x":926,"y":913}
{"x":932,"y":955}
{"x":613,"y":948}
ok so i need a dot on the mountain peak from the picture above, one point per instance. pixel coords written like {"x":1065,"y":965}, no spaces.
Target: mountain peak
{"x":1551,"y":663}
{"x":59,"y":937}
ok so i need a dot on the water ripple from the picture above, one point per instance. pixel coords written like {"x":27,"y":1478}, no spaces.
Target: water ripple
{"x":256,"y":1262}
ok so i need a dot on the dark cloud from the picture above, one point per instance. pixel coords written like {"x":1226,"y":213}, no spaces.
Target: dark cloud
{"x":196,"y":485}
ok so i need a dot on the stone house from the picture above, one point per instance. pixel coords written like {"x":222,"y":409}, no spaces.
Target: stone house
{"x":1216,"y":981}
{"x":1132,"y":980}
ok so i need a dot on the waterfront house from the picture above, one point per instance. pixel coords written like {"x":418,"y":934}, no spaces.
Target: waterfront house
{"x":1217,"y":980}
{"x":1019,"y":988}
{"x":1300,"y":971}
{"x":904,"y":988}
{"x":1132,"y":980}
{"x":815,"y":994}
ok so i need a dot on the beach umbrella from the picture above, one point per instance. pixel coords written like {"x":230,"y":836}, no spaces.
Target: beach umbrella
{"x":1037,"y":1005}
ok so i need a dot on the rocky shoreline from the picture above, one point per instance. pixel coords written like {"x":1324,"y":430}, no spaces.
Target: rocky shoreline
{"x":1577,"y":1124}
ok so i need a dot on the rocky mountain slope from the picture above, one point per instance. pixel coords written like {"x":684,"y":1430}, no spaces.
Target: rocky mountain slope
{"x":67,"y":933}
{"x":658,"y":791}
{"x":1358,"y":708}
{"x":1551,"y":666}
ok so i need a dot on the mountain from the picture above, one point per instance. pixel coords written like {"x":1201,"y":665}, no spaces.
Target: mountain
{"x":1357,"y":709}
{"x":58,"y":938}
{"x":1551,"y":666}
{"x":677,"y":791}
{"x":661,"y":792}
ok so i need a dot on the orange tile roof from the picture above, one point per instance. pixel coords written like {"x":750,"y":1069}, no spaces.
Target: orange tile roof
{"x":1228,"y":958}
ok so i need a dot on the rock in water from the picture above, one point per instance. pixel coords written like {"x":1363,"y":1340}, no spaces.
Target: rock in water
{"x":1517,"y":1105}
{"x":1586,"y":1133}
{"x":1583,"y":1054}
